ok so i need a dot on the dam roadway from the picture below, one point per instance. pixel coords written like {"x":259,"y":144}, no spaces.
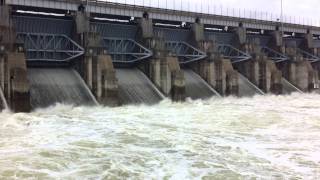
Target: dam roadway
{"x":115,"y":54}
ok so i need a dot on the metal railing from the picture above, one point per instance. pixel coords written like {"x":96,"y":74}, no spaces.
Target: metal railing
{"x":205,"y":7}
{"x":210,"y":8}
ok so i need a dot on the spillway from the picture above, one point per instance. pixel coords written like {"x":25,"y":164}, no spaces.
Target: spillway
{"x":58,"y":85}
{"x":196,"y":87}
{"x":136,"y":88}
{"x":289,"y":88}
{"x":3,"y":102}
{"x":247,"y":89}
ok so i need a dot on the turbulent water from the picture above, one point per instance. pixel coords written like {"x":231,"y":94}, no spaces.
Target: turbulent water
{"x":265,"y":137}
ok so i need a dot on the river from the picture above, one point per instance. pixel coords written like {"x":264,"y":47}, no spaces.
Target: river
{"x":264,"y":137}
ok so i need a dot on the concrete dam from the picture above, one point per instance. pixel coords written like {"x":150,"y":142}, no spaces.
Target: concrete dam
{"x":114,"y":54}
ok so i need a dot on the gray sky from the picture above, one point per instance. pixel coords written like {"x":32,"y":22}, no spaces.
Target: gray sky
{"x":299,"y":11}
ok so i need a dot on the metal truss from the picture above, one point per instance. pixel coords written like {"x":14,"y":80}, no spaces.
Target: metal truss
{"x":308,"y":56}
{"x":274,"y":55}
{"x":234,"y":54}
{"x":49,"y":47}
{"x":184,"y":51}
{"x":125,"y":50}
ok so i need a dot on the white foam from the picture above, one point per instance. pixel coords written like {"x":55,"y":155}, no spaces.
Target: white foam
{"x":264,"y":137}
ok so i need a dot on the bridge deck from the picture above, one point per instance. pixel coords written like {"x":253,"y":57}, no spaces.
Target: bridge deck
{"x":160,"y":14}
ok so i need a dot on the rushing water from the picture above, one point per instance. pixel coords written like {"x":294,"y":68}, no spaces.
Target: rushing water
{"x":265,"y":137}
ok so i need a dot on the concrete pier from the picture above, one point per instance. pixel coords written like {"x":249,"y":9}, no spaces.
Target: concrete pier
{"x":98,"y":70}
{"x":297,"y":70}
{"x":260,"y":70}
{"x":13,"y":68}
{"x":215,"y":69}
{"x":164,"y":69}
{"x":14,"y":82}
{"x":18,"y":92}
{"x":300,"y":73}
{"x":313,"y":48}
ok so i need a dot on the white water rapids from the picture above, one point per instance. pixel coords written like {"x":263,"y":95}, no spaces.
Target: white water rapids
{"x":264,"y":137}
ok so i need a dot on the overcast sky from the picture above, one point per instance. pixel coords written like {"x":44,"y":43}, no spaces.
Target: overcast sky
{"x":299,"y":11}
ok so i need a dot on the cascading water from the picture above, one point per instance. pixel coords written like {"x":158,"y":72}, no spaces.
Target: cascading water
{"x":196,"y":87}
{"x":136,"y":88}
{"x":58,"y":85}
{"x":263,"y":137}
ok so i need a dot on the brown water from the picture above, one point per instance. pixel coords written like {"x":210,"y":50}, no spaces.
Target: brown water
{"x":265,"y":137}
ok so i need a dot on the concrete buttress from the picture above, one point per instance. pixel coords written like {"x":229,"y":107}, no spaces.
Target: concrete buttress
{"x":217,"y":71}
{"x":13,"y":69}
{"x":261,"y":70}
{"x":164,"y":70}
{"x":98,"y":70}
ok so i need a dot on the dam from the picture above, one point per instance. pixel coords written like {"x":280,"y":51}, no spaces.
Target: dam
{"x":112,"y":54}
{"x":100,"y":90}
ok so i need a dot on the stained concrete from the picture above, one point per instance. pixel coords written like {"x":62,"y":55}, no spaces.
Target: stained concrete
{"x":196,"y":87}
{"x":136,"y":88}
{"x":165,"y":70}
{"x":58,"y":85}
{"x":18,"y":87}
